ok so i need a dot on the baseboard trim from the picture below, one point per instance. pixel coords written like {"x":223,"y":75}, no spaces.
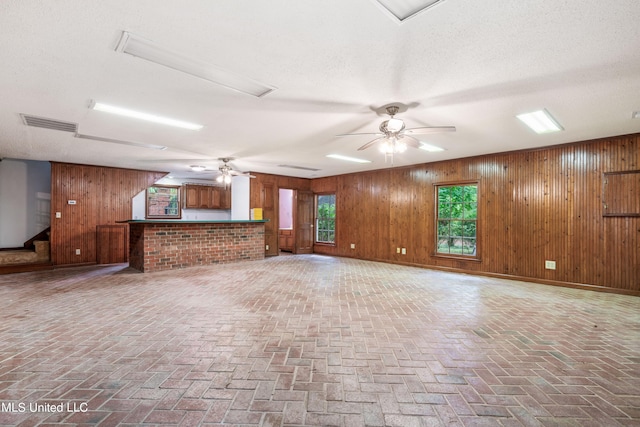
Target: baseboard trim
{"x":25,"y":268}
{"x":584,"y":286}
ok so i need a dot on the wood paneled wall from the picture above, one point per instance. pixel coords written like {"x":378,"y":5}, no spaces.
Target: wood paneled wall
{"x":103,"y":195}
{"x":534,"y":206}
{"x":264,"y":194}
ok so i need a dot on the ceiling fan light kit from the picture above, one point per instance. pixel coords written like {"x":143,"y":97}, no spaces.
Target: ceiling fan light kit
{"x":395,"y":139}
{"x":393,"y":146}
{"x":394,"y":125}
{"x":225,"y":178}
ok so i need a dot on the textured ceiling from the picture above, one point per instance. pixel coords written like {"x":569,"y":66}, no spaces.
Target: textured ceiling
{"x":335,"y":63}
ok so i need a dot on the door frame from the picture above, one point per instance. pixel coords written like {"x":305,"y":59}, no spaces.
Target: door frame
{"x":296,"y":226}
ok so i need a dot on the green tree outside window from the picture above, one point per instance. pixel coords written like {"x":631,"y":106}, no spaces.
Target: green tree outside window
{"x":457,"y":219}
{"x":326,"y":218}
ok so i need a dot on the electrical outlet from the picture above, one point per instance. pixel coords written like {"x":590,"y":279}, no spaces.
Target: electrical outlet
{"x":550,"y":265}
{"x":404,"y":251}
{"x":397,"y":250}
{"x":353,"y":246}
{"x":266,"y":247}
{"x":58,"y":214}
{"x":77,"y":251}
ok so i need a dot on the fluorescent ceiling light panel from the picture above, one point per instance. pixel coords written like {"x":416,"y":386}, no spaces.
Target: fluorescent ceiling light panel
{"x":146,"y":49}
{"x":540,"y":121}
{"x":405,"y":9}
{"x":430,"y":148}
{"x":98,"y":106}
{"x":347,"y":158}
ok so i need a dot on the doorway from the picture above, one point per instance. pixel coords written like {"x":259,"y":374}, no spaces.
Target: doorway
{"x":295,"y":221}
{"x":286,"y":236}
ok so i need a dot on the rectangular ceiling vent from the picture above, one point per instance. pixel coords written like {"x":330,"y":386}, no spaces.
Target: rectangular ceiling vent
{"x":298,"y":167}
{"x":402,"y":10}
{"x":43,"y":122}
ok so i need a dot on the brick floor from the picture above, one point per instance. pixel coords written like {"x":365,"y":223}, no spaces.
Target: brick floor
{"x":312,"y":340}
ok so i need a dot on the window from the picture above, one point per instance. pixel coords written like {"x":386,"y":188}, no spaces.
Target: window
{"x":325,"y":218}
{"x":163,"y":202}
{"x":457,"y":219}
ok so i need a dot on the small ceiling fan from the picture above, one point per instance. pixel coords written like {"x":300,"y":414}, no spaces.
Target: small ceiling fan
{"x":226,"y":171}
{"x":393,"y":135}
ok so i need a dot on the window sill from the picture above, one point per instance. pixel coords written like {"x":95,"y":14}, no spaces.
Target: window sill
{"x":458,"y":257}
{"x":324,"y":244}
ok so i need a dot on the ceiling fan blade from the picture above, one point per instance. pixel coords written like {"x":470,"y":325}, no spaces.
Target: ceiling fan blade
{"x":365,"y":133}
{"x":236,"y":173}
{"x":429,"y":129}
{"x":369,"y":144}
{"x":411,"y":141}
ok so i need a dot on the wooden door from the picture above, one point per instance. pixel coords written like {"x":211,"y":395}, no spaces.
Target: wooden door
{"x":304,"y":210}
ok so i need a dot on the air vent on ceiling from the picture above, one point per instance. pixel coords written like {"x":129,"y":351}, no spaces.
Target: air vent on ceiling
{"x":43,"y":122}
{"x":401,"y":10}
{"x":298,"y":167}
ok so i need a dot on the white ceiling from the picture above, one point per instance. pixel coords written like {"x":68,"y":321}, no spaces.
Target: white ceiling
{"x":471,"y":64}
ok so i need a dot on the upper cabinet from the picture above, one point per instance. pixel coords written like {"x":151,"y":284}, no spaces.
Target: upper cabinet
{"x":206,"y":197}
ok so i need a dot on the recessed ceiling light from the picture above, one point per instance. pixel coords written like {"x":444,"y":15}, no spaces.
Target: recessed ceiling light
{"x":146,"y":49}
{"x":540,"y":121}
{"x":347,"y":158}
{"x":98,"y":106}
{"x":430,"y":148}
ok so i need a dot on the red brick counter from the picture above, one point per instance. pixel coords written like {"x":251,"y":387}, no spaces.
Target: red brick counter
{"x":165,"y":244}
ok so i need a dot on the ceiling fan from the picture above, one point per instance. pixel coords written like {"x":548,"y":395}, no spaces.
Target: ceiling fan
{"x":393,"y":135}
{"x":226,"y":171}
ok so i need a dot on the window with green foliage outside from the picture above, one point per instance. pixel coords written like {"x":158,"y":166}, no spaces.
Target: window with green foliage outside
{"x":326,"y":218}
{"x":457,"y":219}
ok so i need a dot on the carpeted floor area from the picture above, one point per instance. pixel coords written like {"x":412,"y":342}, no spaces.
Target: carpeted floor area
{"x":312,"y":340}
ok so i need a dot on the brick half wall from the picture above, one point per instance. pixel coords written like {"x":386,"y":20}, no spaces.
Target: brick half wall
{"x":167,"y":246}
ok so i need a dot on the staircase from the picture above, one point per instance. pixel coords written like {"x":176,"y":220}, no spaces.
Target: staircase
{"x":35,"y":255}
